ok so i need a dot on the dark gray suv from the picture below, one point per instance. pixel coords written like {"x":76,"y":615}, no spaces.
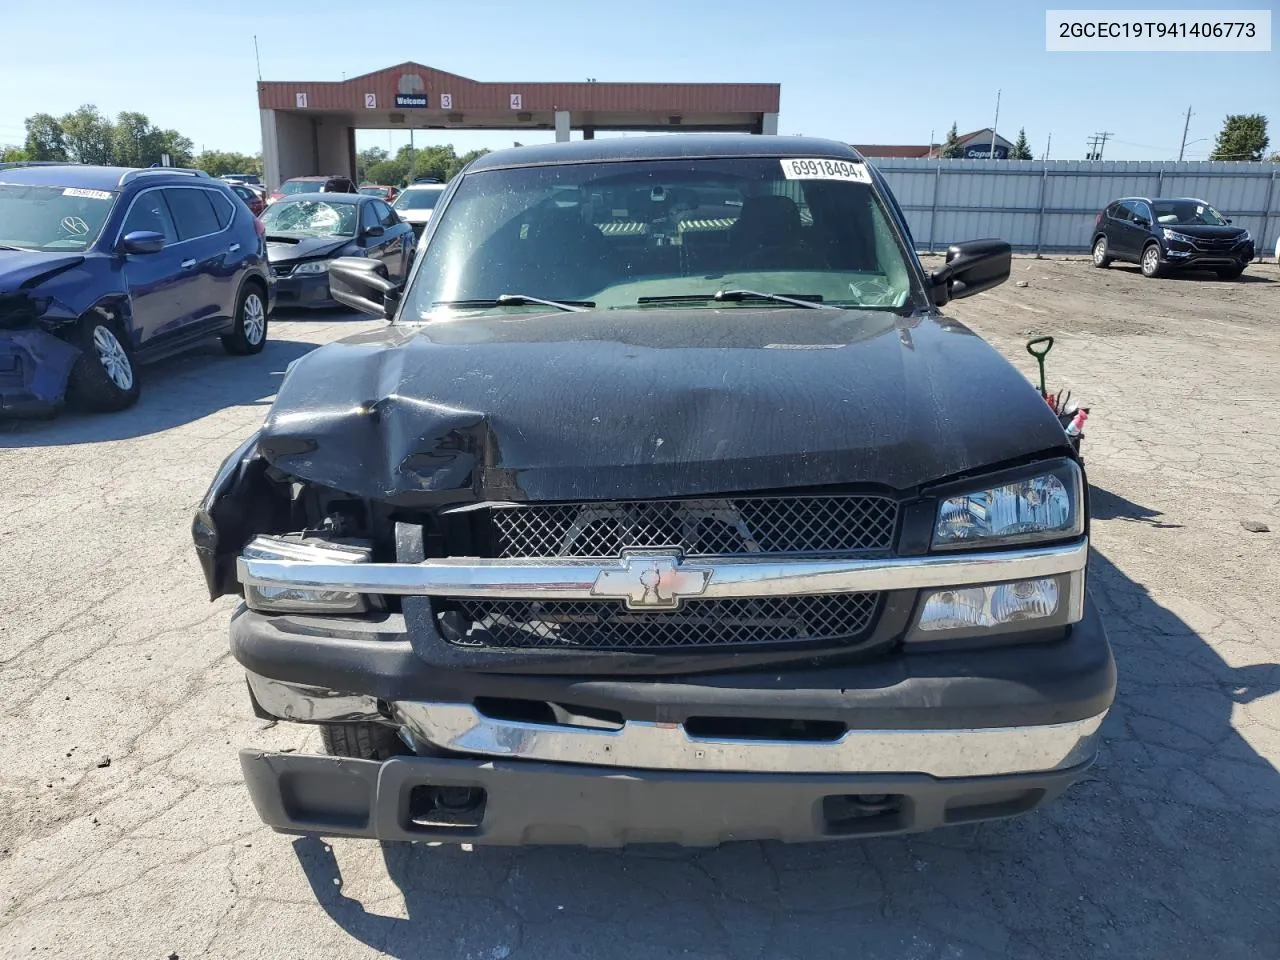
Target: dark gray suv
{"x":1167,"y":235}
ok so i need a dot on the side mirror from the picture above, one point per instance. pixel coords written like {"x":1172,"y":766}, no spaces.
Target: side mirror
{"x":142,"y":241}
{"x":362,"y":284}
{"x":972,"y":266}
{"x":375,"y":231}
{"x":1226,"y":219}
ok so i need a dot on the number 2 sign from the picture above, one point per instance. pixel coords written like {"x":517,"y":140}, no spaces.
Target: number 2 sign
{"x":371,"y":101}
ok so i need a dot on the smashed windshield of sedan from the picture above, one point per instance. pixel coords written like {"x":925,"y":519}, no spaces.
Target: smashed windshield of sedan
{"x":52,"y":218}
{"x":311,"y":218}
{"x":669,"y":232}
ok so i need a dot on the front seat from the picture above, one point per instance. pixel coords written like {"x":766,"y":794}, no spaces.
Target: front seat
{"x":571,"y":257}
{"x":768,"y":235}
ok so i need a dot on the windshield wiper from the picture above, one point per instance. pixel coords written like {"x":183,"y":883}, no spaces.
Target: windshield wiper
{"x":811,"y":300}
{"x":519,"y":299}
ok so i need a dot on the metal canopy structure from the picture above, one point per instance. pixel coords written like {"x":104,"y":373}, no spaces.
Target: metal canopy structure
{"x":308,"y":127}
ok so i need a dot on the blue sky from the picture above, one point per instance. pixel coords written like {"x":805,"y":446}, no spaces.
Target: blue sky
{"x":854,"y":71}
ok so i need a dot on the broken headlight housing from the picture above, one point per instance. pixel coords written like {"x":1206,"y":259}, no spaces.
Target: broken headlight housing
{"x":1043,"y":505}
{"x":303,"y":549}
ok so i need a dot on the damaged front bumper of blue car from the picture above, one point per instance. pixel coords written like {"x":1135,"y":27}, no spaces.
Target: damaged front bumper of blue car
{"x":35,"y":368}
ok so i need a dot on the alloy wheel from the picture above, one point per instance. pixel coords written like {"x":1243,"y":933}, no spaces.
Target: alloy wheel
{"x":255,"y":319}
{"x":112,"y":356}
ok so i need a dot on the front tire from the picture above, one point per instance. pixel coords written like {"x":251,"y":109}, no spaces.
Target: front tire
{"x":105,"y":378}
{"x":366,"y":741}
{"x":1100,"y":258}
{"x":249,"y":335}
{"x":1152,"y":263}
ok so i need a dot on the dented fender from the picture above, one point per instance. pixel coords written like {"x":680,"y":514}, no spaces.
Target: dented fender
{"x":241,"y":502}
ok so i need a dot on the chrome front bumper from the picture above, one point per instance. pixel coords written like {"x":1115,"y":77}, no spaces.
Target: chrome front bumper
{"x":461,"y":728}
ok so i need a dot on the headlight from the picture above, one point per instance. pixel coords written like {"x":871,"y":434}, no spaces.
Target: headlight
{"x":986,"y":613}
{"x":1175,"y":235}
{"x":1043,"y":506}
{"x":992,"y":606}
{"x":297,"y":600}
{"x":1244,"y":237}
{"x":313,"y":266}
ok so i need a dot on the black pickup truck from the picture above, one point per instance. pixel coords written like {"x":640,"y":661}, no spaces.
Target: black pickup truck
{"x":667,"y":507}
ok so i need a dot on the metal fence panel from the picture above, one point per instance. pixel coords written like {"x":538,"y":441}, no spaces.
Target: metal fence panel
{"x":1050,"y":206}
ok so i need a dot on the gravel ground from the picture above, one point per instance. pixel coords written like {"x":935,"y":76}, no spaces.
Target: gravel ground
{"x":125,"y":831}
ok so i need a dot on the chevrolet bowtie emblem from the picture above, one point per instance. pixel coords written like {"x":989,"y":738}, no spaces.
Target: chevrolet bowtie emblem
{"x":651,"y":582}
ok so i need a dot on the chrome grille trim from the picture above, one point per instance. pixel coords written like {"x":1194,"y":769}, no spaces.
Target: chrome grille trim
{"x":728,"y":577}
{"x":828,"y":524}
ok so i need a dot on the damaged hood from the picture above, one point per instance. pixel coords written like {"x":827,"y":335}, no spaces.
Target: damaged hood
{"x":624,"y":404}
{"x":23,"y":269}
{"x":280,"y":250}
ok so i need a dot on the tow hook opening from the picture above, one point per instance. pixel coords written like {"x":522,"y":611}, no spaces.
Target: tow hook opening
{"x":853,"y":813}
{"x":446,"y":806}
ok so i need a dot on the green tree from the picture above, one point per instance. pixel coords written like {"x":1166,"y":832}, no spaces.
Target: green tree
{"x":389,"y":172}
{"x":180,"y":149}
{"x":216,"y":163}
{"x":45,"y":138}
{"x":1021,"y":148}
{"x":12,"y":154}
{"x":459,"y":162}
{"x":88,"y":135}
{"x":951,"y":150}
{"x":433,"y":162}
{"x":1243,"y":137}
{"x":367,"y":158}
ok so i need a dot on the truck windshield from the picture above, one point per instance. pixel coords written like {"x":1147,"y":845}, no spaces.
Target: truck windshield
{"x":669,"y":232}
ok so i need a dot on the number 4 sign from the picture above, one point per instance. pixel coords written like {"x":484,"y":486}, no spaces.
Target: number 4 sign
{"x":371,"y":101}
{"x":517,"y":102}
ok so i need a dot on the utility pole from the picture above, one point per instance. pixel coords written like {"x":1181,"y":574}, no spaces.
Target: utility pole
{"x":1186,"y":126}
{"x":1047,"y":146}
{"x":994,"y":124}
{"x":1097,"y":143}
{"x":256,"y":58}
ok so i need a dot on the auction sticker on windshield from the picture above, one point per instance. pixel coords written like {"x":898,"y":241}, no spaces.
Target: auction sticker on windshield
{"x":87,"y":194}
{"x":814,"y":169}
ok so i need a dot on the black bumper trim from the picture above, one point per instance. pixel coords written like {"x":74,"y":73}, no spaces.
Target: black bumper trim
{"x":544,"y":803}
{"x":1015,"y":685}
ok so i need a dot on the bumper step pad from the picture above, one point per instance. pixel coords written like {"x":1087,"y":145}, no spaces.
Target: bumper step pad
{"x":527,"y":802}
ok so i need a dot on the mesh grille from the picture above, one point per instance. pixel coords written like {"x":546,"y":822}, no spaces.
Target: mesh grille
{"x":609,"y":625}
{"x":830,"y":524}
